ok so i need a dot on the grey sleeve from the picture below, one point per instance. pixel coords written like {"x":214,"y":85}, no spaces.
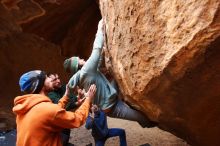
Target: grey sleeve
{"x":92,"y":63}
{"x":74,"y":80}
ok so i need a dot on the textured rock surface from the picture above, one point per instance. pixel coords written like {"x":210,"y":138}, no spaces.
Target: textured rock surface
{"x":20,"y":52}
{"x":164,"y":55}
{"x":71,"y":25}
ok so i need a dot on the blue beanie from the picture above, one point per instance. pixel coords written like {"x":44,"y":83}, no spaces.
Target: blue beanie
{"x":32,"y":81}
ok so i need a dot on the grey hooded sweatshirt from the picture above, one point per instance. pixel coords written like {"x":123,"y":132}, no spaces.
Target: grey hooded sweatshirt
{"x":105,"y":96}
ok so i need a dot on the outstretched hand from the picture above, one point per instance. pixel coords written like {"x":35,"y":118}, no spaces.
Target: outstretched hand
{"x":67,"y":92}
{"x":80,"y":96}
{"x":70,"y":90}
{"x":101,"y":25}
{"x":91,"y":92}
{"x":80,"y":92}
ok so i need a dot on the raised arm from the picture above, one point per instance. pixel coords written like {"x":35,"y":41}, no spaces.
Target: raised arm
{"x":74,"y":80}
{"x":91,"y":64}
{"x":66,"y":119}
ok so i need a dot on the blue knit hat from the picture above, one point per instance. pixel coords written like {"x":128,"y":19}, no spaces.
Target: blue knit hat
{"x":32,"y":82}
{"x":71,"y":65}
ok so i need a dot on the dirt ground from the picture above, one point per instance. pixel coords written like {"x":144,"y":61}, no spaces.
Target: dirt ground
{"x":135,"y":134}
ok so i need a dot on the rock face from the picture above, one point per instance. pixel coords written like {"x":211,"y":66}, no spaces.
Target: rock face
{"x":69,"y":24}
{"x":21,"y":52}
{"x":165,"y":57}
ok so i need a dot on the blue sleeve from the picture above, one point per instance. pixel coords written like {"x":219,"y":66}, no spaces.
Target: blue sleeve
{"x":89,"y":123}
{"x":92,"y":63}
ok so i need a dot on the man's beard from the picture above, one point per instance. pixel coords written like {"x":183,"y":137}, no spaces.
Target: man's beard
{"x":57,"y":87}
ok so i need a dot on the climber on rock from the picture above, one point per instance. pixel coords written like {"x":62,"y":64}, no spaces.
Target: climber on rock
{"x":87,"y":72}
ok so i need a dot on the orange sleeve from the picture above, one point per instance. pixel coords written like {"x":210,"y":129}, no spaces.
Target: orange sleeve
{"x":68,"y":119}
{"x":63,"y":101}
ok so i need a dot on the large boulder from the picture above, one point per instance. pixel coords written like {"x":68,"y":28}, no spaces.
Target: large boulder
{"x":165,"y":58}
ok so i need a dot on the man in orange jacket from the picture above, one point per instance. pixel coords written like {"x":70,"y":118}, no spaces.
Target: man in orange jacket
{"x":39,"y":121}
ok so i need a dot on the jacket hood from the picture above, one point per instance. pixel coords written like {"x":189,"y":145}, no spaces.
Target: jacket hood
{"x":24,"y":103}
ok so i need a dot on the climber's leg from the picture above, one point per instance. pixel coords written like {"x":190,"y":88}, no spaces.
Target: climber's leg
{"x":123,"y":111}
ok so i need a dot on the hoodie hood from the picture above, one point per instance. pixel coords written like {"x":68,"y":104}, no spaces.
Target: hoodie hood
{"x":24,"y":103}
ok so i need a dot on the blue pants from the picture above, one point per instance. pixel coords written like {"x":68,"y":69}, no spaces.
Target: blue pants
{"x":65,"y":136}
{"x":112,"y":133}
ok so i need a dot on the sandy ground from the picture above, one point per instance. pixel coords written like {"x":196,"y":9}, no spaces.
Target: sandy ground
{"x":135,"y":134}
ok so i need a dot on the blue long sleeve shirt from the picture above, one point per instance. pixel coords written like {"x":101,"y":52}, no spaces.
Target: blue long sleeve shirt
{"x":89,"y":74}
{"x":98,"y":125}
